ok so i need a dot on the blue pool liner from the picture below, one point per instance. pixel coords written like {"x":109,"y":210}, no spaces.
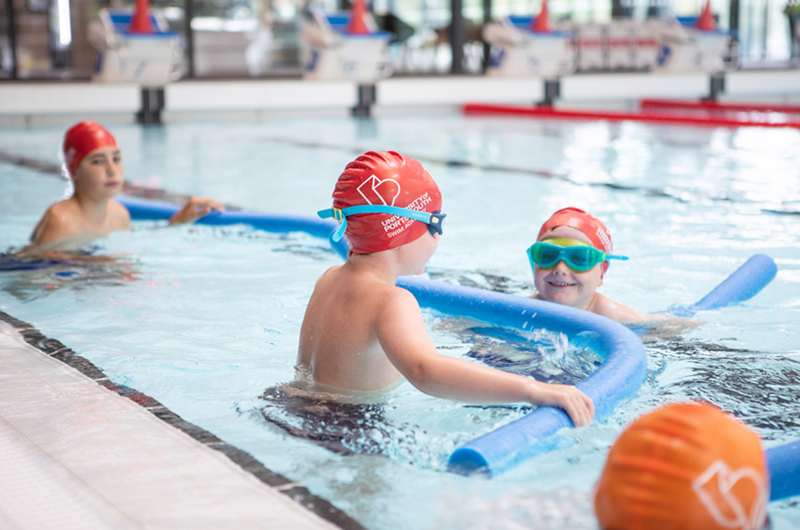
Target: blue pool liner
{"x":743,"y":284}
{"x":621,"y":373}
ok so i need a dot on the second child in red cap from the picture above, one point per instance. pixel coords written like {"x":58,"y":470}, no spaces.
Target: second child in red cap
{"x":570,"y":258}
{"x":362,"y":333}
{"x":94,"y":164}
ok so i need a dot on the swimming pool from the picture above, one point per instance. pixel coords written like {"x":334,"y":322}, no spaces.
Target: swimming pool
{"x":205,"y":319}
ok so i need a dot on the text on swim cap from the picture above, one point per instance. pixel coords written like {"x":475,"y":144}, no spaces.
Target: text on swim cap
{"x":395,"y":224}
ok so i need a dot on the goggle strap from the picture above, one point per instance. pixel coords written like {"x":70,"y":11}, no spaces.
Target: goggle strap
{"x":622,"y":258}
{"x":424,"y":217}
{"x":337,"y":214}
{"x":340,"y":214}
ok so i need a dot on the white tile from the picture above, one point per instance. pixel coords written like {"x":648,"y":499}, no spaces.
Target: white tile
{"x":73,"y":451}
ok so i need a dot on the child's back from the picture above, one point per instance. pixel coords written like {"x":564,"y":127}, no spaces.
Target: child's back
{"x":339,"y":340}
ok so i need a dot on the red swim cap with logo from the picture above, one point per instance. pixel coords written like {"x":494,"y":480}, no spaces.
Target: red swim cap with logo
{"x":687,"y":466}
{"x":385,"y":178}
{"x":83,"y":138}
{"x":592,"y":227}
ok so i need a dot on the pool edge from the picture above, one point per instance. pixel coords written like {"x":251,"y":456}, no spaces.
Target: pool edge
{"x":295,"y":491}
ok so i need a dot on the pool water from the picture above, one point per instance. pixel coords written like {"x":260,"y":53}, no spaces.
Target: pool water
{"x":205,"y":319}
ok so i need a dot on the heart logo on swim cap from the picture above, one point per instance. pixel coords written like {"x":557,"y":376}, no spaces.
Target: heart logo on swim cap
{"x":685,"y":465}
{"x":715,"y":489}
{"x":376,"y":191}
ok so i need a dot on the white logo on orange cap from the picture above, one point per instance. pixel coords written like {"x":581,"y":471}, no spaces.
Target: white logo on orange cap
{"x":722,"y":504}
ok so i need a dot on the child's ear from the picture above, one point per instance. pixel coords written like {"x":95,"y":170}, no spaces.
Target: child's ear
{"x":601,"y":279}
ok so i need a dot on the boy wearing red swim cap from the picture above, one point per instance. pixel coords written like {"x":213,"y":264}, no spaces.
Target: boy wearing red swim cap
{"x":569,"y":260}
{"x":361,"y":332}
{"x":94,"y":163}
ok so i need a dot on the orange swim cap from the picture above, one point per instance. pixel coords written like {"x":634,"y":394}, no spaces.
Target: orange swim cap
{"x":83,"y":138}
{"x":592,"y":227}
{"x":686,"y":466}
{"x":391,"y":179}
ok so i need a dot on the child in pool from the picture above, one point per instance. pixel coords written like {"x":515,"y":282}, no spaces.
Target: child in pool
{"x":363,"y":333}
{"x":569,"y":259}
{"x":685,"y":465}
{"x":94,"y":164}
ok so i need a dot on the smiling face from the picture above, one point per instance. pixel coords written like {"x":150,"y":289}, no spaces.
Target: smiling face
{"x":561,"y":284}
{"x":99,"y":175}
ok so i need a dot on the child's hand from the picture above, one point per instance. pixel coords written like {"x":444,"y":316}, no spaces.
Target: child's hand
{"x":575,"y":403}
{"x":194,"y":209}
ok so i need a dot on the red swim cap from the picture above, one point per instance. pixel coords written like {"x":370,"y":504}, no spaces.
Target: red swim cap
{"x":575,"y":218}
{"x":83,"y":138}
{"x":385,"y":178}
{"x":686,"y":466}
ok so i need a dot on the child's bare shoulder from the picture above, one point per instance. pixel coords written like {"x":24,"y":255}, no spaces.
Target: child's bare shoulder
{"x":58,"y":222}
{"x":605,"y":306}
{"x":397,"y":309}
{"x":121,"y":217}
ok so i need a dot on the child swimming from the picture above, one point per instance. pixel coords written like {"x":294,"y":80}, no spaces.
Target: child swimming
{"x":362,"y":333}
{"x":94,"y":164}
{"x":570,"y":258}
{"x":685,"y":465}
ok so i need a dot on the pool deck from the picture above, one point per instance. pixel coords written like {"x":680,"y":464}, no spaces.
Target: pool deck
{"x":31,"y":102}
{"x":74,"y":454}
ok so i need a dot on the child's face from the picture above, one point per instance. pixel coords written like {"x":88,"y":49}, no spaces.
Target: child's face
{"x":100,"y":174}
{"x":561,"y":284}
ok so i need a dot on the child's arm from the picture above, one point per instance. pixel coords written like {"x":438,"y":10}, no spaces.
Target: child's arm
{"x":194,"y":209}
{"x":404,"y":339}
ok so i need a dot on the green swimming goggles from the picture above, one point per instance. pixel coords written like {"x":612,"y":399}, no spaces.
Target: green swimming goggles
{"x":433,"y":220}
{"x":579,"y":256}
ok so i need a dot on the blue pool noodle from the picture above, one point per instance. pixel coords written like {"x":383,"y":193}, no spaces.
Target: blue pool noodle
{"x":783,"y":462}
{"x":140,"y":209}
{"x":743,"y":284}
{"x":620,"y":374}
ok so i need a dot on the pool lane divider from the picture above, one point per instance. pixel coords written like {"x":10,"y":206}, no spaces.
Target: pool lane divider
{"x":546,"y":112}
{"x":621,"y":373}
{"x":716,"y":106}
